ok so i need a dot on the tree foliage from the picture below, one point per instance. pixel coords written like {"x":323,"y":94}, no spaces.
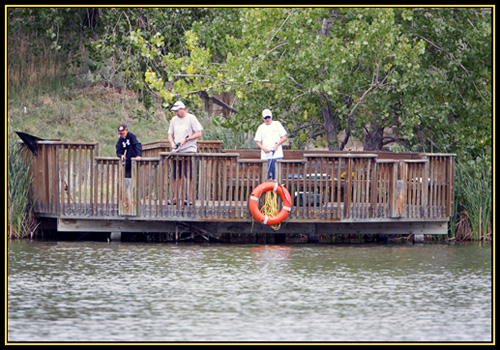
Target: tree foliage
{"x":323,"y":70}
{"x":455,"y":86}
{"x":427,"y":72}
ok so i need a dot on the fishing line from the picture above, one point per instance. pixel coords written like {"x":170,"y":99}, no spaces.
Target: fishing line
{"x":176,"y":149}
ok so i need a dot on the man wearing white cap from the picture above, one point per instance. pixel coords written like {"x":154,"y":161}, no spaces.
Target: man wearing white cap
{"x":269,"y":138}
{"x":184,"y":129}
{"x":183,"y":132}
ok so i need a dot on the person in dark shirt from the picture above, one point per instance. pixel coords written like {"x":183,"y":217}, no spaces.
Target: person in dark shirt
{"x":128,"y":147}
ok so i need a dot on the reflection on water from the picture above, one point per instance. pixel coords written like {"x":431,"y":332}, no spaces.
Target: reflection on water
{"x":88,"y":291}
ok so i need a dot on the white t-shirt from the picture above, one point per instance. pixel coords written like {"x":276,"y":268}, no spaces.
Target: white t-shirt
{"x":269,"y":135}
{"x":182,"y":127}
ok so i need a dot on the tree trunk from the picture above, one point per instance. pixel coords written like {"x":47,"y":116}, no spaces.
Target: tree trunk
{"x":373,"y":139}
{"x":331,"y":127}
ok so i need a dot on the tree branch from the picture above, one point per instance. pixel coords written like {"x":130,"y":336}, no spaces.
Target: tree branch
{"x":390,"y":139}
{"x":282,"y":24}
{"x":181,"y":75}
{"x":295,"y":81}
{"x":215,"y":100}
{"x":350,"y":117}
{"x":276,"y":47}
{"x":446,"y":51}
{"x":305,"y":126}
{"x":350,"y":120}
{"x":454,"y":59}
{"x":362,"y":98}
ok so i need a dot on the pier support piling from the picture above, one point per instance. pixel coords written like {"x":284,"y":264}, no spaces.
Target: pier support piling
{"x":418,"y":238}
{"x":115,"y":236}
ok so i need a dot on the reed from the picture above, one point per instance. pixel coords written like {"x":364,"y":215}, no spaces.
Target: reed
{"x":21,"y":222}
{"x":473,"y":193}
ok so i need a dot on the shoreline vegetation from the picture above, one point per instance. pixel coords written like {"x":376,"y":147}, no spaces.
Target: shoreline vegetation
{"x":21,"y":221}
{"x":51,"y":96}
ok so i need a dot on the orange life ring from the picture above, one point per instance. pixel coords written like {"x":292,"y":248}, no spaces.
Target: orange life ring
{"x":254,"y":201}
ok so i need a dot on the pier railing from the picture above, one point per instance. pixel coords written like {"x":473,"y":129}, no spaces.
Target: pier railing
{"x":71,"y":180}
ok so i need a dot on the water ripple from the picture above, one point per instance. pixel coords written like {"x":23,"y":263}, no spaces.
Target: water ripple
{"x":138,"y":292}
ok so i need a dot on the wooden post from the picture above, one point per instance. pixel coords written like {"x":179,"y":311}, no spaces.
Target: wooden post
{"x":134,"y":200}
{"x":425,"y":190}
{"x":128,"y":200}
{"x":400,"y":195}
{"x":348,"y":188}
{"x":395,"y":192}
{"x":450,"y":173}
{"x":374,"y":185}
{"x":115,"y":236}
{"x":418,"y":238}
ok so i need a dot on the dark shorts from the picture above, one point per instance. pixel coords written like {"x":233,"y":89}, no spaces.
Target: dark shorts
{"x":178,"y":168}
{"x":128,"y":169}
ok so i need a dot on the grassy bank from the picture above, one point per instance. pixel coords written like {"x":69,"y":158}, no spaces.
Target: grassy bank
{"x":85,"y":114}
{"x":94,"y":113}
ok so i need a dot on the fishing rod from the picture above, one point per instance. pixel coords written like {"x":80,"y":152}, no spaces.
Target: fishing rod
{"x":124,"y":160}
{"x":270,"y":163}
{"x":175,"y":150}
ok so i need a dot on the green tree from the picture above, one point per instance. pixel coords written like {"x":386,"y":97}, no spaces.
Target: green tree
{"x":118,"y":56}
{"x":317,"y":68}
{"x":454,"y":89}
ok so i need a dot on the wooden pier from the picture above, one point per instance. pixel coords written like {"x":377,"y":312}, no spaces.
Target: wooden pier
{"x":333,"y":192}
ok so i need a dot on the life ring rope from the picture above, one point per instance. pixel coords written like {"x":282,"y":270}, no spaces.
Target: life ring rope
{"x":256,"y":211}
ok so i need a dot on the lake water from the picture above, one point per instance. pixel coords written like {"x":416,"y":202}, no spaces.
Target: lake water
{"x":143,"y":292}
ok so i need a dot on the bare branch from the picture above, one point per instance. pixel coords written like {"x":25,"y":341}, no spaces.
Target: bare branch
{"x":305,"y":126}
{"x":215,"y":100}
{"x":282,"y":24}
{"x":295,"y":81}
{"x":277,"y":46}
{"x":431,"y":43}
{"x":361,"y":100}
{"x":181,"y":75}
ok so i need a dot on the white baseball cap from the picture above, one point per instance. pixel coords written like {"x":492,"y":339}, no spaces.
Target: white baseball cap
{"x":178,"y":105}
{"x":267,"y":112}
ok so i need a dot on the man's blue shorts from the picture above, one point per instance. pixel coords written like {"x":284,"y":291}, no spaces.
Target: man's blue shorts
{"x":178,"y":169}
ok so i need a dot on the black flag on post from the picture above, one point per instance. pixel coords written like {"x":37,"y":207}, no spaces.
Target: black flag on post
{"x":30,"y":141}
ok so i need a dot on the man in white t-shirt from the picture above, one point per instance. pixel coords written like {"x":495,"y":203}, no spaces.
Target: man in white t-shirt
{"x":183,"y":132}
{"x":269,"y":138}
